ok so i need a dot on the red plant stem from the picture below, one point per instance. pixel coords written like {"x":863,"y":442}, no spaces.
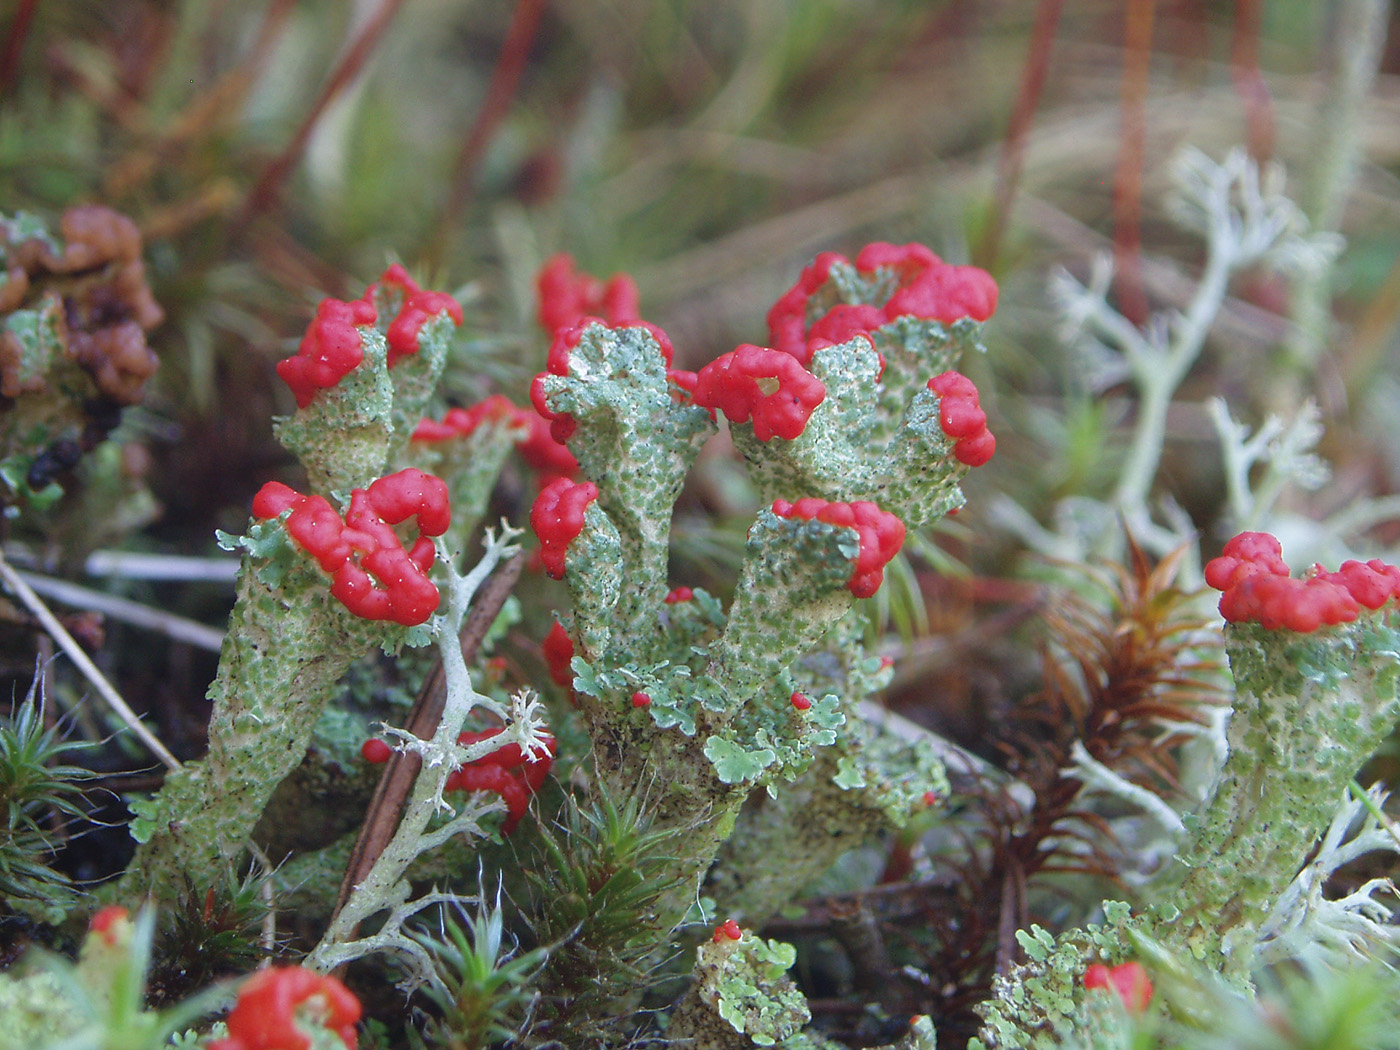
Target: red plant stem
{"x":1249,"y":78}
{"x":14,"y":42}
{"x":1013,"y":147}
{"x":1127,"y":180}
{"x":269,"y":184}
{"x":505,"y":78}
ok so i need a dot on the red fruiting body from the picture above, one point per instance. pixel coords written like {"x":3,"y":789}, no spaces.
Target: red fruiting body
{"x":640,"y":699}
{"x":728,"y":929}
{"x":930,"y":798}
{"x":460,"y":422}
{"x":962,"y":418}
{"x":416,"y":309}
{"x":561,"y":424}
{"x":1129,"y":981}
{"x":881,"y":535}
{"x":332,"y":349}
{"x":800,"y":701}
{"x":550,"y":459}
{"x":506,"y":772}
{"x":557,"y":517}
{"x":376,"y":751}
{"x":767,"y":386}
{"x":265,"y":1016}
{"x":928,"y":288}
{"x":1371,"y":583}
{"x":1257,"y":587}
{"x":679,"y":594}
{"x":558,"y":650}
{"x":106,"y":921}
{"x":1247,"y":554}
{"x":567,"y":296}
{"x":329,"y":351}
{"x":363,"y":549}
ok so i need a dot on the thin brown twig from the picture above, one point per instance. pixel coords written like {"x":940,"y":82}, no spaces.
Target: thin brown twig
{"x":206,"y":109}
{"x":21,"y":590}
{"x":505,"y":78}
{"x":395,"y":783}
{"x":1127,"y":179}
{"x":1249,"y":78}
{"x":269,"y":184}
{"x":1013,"y":147}
{"x":14,"y":42}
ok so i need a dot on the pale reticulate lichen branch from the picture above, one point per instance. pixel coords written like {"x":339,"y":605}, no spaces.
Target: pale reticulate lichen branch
{"x":385,"y":886}
{"x":1245,"y":218}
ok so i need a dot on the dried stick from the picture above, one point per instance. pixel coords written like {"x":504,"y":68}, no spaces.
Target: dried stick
{"x":265,"y":192}
{"x":1013,"y":147}
{"x":1127,"y":179}
{"x":14,"y":42}
{"x":89,"y":670}
{"x":504,"y":79}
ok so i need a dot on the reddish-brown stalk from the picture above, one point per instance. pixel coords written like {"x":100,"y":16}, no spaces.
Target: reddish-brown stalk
{"x":1013,"y":146}
{"x":14,"y":42}
{"x":1249,"y":78}
{"x":269,"y":184}
{"x":505,"y":78}
{"x":1127,"y":179}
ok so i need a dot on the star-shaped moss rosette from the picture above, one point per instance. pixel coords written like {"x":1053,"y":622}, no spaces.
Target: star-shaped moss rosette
{"x":362,"y":376}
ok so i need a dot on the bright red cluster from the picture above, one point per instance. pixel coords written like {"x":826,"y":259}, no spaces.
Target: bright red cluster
{"x":800,"y":701}
{"x":329,"y":351}
{"x":331,"y":348}
{"x":561,"y":424}
{"x":506,"y":771}
{"x":550,"y":459}
{"x":558,"y":650}
{"x":265,"y":1016}
{"x":557,"y":517}
{"x":460,"y":422}
{"x":961,"y":417}
{"x":881,"y":535}
{"x":679,"y":594}
{"x":375,"y":751}
{"x":1257,"y":588}
{"x":107,"y":923}
{"x":767,"y":386}
{"x":1129,"y":981}
{"x":567,"y":296}
{"x":417,"y":309}
{"x":928,"y":288}
{"x":728,"y":930}
{"x":372,"y":575}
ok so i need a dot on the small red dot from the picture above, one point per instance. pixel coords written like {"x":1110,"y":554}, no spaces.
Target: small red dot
{"x":640,"y":699}
{"x":930,"y":798}
{"x":730,"y":929}
{"x":800,"y":701}
{"x":375,"y":750}
{"x":680,"y":594}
